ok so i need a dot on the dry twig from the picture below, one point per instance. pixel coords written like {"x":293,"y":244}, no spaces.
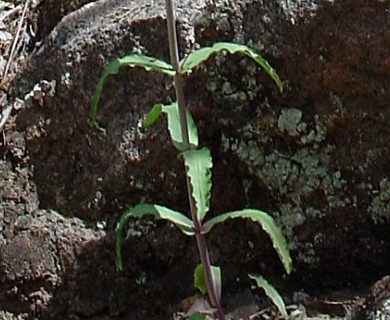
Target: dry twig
{"x":15,"y":42}
{"x":5,"y":113}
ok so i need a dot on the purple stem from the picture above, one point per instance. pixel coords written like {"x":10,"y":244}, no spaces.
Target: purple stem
{"x":200,"y":238}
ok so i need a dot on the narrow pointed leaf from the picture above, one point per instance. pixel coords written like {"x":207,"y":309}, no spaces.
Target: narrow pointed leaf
{"x":198,"y":163}
{"x":198,"y":56}
{"x":132,"y":60}
{"x":148,"y":63}
{"x":153,"y":115}
{"x":172,"y":111}
{"x":159,"y":212}
{"x":111,"y":68}
{"x":200,"y":281}
{"x":271,"y":292}
{"x":269,"y":226}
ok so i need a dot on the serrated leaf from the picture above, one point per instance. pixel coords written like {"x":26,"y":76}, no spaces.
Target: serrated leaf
{"x":172,"y":111}
{"x":158,"y":212}
{"x":200,"y":281}
{"x":267,"y":223}
{"x":153,"y":115}
{"x":271,"y":292}
{"x":198,"y":164}
{"x":132,"y":60}
{"x":198,"y":56}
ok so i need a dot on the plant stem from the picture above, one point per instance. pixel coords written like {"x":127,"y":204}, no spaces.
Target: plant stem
{"x":179,"y":89}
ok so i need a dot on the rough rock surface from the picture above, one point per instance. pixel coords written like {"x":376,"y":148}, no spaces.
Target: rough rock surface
{"x":316,"y":156}
{"x":72,"y":55}
{"x":319,"y":154}
{"x":34,"y":262}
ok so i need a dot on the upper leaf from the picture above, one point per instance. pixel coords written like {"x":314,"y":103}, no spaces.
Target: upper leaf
{"x":159,"y":212}
{"x":174,"y":126}
{"x":198,"y":56}
{"x":149,"y":63}
{"x":111,"y":68}
{"x":267,"y":223}
{"x":271,"y":293}
{"x":198,"y":164}
{"x":132,"y":60}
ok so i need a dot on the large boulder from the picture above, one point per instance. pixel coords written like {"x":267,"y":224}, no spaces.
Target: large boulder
{"x":315,"y":156}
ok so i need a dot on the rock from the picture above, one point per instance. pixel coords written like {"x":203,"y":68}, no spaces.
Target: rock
{"x":65,"y":150}
{"x":315,"y":157}
{"x":52,"y":11}
{"x":34,"y":263}
{"x":376,"y":305}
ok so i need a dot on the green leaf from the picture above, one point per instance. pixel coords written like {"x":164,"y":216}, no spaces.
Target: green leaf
{"x":148,"y":63}
{"x":159,"y":212}
{"x":267,"y":223}
{"x":132,"y":60}
{"x":200,"y":281}
{"x":111,"y":68}
{"x":197,"y":316}
{"x":153,"y":115}
{"x":172,"y":111}
{"x":198,"y":56}
{"x":217,"y":278}
{"x":271,"y":293}
{"x":199,"y":163}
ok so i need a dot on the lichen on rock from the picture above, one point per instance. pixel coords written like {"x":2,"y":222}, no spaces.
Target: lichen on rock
{"x":380,"y":205}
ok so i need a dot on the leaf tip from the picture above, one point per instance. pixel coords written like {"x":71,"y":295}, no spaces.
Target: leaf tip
{"x":280,"y":85}
{"x":118,"y":264}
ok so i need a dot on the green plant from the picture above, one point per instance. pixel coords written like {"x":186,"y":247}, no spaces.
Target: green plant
{"x":198,"y":164}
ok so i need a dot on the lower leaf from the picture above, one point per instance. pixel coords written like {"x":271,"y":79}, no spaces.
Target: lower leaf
{"x":200,"y":281}
{"x":271,"y":292}
{"x":267,"y":223}
{"x":159,"y":212}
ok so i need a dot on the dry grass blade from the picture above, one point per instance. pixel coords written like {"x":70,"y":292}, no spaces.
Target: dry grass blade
{"x":15,"y":42}
{"x":6,"y":112}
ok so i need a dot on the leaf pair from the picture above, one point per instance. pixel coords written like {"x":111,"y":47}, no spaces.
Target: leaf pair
{"x":186,"y":65}
{"x":187,"y":227}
